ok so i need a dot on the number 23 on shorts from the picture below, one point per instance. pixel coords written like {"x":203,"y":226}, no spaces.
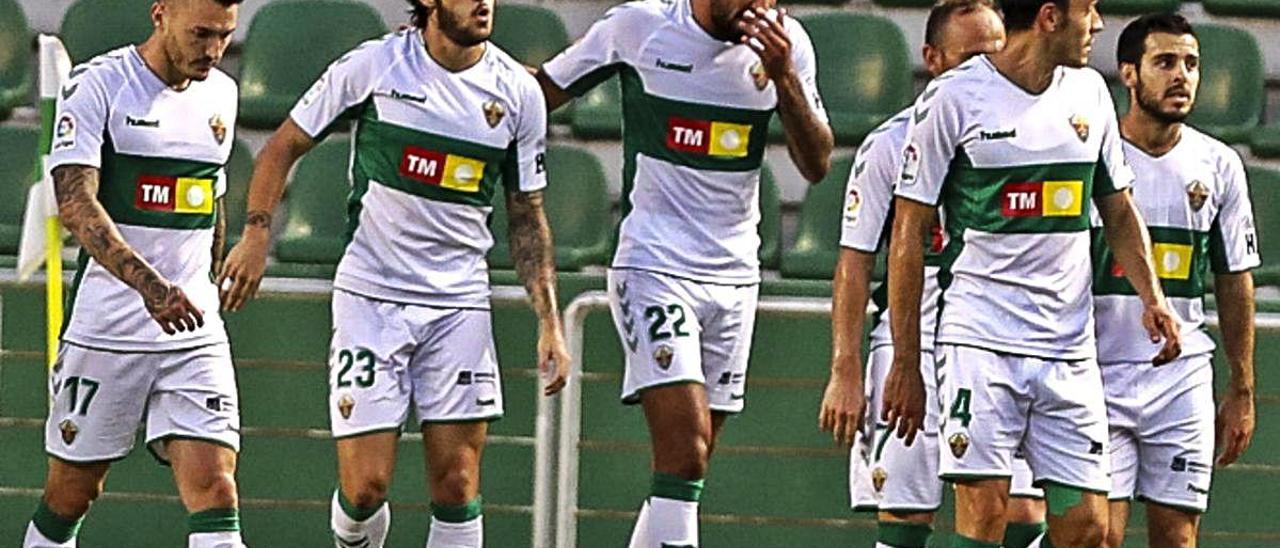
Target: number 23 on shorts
{"x":360,"y":359}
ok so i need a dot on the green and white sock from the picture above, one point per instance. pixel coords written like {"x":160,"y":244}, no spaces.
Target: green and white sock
{"x":961,"y":541}
{"x":901,"y":534}
{"x":1041,"y":542}
{"x":1021,"y":535}
{"x":673,"y":512}
{"x":459,"y":526}
{"x":214,"y":528}
{"x":49,"y":530}
{"x":638,"y":537}
{"x":357,"y":527}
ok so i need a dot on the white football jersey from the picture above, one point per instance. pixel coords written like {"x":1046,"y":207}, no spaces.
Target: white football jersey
{"x":432,"y":150}
{"x":868,"y":221}
{"x":1014,"y":173}
{"x":696,"y":114}
{"x":160,"y":154}
{"x":1195,"y":200}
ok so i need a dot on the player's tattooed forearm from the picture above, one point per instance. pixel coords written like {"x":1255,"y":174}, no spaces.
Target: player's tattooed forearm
{"x":532,"y":251}
{"x":220,"y":235}
{"x":258,"y":218}
{"x":76,"y":189}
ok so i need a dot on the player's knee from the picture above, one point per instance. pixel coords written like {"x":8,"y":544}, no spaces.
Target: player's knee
{"x":217,"y":489}
{"x":454,"y":486}
{"x":1085,"y":530}
{"x":1173,"y":537}
{"x":368,"y":491}
{"x":1115,"y":537}
{"x":72,"y":500}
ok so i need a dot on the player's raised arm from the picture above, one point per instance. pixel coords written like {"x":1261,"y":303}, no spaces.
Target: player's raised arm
{"x":244,"y":267}
{"x":791,"y":65}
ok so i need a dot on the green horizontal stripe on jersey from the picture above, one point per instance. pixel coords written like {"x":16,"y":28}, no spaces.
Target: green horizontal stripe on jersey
{"x":380,"y":147}
{"x":118,"y":187}
{"x":646,"y":118}
{"x":973,"y":196}
{"x":1106,"y":283}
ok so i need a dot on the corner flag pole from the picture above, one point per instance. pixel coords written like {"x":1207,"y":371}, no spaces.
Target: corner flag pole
{"x":55,"y":65}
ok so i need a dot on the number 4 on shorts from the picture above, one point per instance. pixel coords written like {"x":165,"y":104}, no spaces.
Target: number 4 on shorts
{"x":960,"y":408}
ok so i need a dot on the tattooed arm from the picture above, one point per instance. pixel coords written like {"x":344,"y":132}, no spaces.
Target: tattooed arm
{"x":220,"y":235}
{"x":534,"y":258}
{"x":76,"y":188}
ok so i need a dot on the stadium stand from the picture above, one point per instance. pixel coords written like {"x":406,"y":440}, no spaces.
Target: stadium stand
{"x":239,"y":171}
{"x":1232,"y":88}
{"x":91,"y":27}
{"x":16,"y":71}
{"x":1265,"y":141}
{"x":532,"y":34}
{"x":1264,"y":189}
{"x":1137,"y":7}
{"x":315,"y":229}
{"x":1243,"y":8}
{"x":598,"y":113}
{"x":770,"y":220}
{"x":18,"y":156}
{"x":577,"y":206}
{"x":290,"y":42}
{"x":817,"y":244}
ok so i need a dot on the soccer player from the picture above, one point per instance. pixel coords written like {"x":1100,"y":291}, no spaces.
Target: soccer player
{"x":445,"y":122}
{"x":142,"y":135}
{"x":1191,"y":190}
{"x":700,"y":81}
{"x":901,"y":482}
{"x":1013,"y":146}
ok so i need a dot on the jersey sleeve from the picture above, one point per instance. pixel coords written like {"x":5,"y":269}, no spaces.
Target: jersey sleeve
{"x":347,"y":83}
{"x":869,"y":194}
{"x":1233,"y":242}
{"x":525,"y":169}
{"x":1113,"y":173}
{"x":806,"y":63}
{"x":936,"y":129}
{"x":81,"y":121}
{"x":596,"y":56}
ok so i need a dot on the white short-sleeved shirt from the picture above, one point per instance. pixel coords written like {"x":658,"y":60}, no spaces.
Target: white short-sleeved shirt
{"x":868,"y":218}
{"x":696,"y":114}
{"x":1195,"y":200}
{"x":431,"y":151}
{"x":160,"y":155}
{"x":1014,"y":173}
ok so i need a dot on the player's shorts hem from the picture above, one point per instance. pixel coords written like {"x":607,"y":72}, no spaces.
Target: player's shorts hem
{"x":196,"y":345}
{"x":954,"y":477}
{"x":1175,"y":505}
{"x":728,"y":410}
{"x":1045,"y":482}
{"x":634,"y":397}
{"x":397,"y":429}
{"x":864,"y":508}
{"x":169,"y":437}
{"x":1025,"y":496}
{"x":1119,"y":498}
{"x":909,"y":509}
{"x":89,"y":460}
{"x":462,"y":420}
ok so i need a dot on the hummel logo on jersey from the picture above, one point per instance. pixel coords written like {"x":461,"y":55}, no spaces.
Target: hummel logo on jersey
{"x":174,"y":194}
{"x":997,"y":135}
{"x":1197,"y":489}
{"x":1044,"y":199}
{"x":443,"y":170}
{"x":70,"y":90}
{"x":141,"y":122}
{"x":678,"y":67}
{"x":408,"y":97}
{"x":484,"y":402}
{"x":722,"y":139}
{"x":214,"y":403}
{"x":1095,"y":448}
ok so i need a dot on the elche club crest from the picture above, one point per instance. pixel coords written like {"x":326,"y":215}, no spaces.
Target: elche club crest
{"x":1197,"y":195}
{"x":219,"y":128}
{"x":758,"y":76}
{"x":493,"y":112}
{"x":662,"y":356}
{"x":1080,"y":123}
{"x":69,"y":431}
{"x":878,"y":476}
{"x":345,"y":405}
{"x":959,"y":443}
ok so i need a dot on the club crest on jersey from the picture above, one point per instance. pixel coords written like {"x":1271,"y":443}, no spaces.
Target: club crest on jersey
{"x":1197,"y":194}
{"x":174,"y":194}
{"x":68,"y":430}
{"x":878,"y":476}
{"x":493,"y":112}
{"x":443,"y":170}
{"x":959,"y":443}
{"x":758,"y":76}
{"x":1042,"y":199}
{"x":345,"y":405}
{"x":663,"y":356}
{"x":1081,"y":125}
{"x":218,"y":127}
{"x":717,"y":139}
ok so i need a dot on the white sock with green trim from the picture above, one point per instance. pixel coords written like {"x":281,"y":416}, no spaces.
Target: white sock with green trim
{"x":353,"y":526}
{"x":49,"y":530}
{"x":673,"y":512}
{"x":638,"y":537}
{"x":459,"y":526}
{"x":220,"y":539}
{"x":35,"y":539}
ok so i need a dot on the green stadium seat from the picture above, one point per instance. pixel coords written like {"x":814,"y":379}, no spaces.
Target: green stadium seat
{"x":1264,"y":189}
{"x":1119,"y":95}
{"x":236,"y":200}
{"x":1232,"y":95}
{"x":1138,"y":7}
{"x":533,"y":35}
{"x":1265,"y":141}
{"x":289,"y":45}
{"x":1243,"y":8}
{"x":577,"y":206}
{"x":818,"y":242}
{"x":770,"y":221}
{"x":315,"y":230}
{"x":905,"y":3}
{"x":598,"y":114}
{"x":17,"y":163}
{"x":91,"y":27}
{"x":16,"y":72}
{"x":864,"y":71}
